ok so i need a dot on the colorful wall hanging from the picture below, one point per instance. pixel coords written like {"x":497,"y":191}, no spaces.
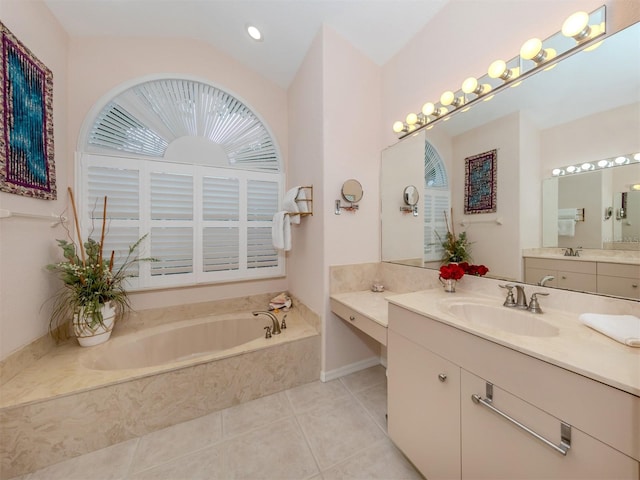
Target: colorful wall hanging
{"x":26,"y":128}
{"x":480,"y":183}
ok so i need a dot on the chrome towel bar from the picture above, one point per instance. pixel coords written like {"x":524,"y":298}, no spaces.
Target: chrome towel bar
{"x":565,"y":428}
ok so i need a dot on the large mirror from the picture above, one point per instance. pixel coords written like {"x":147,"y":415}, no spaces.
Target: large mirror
{"x":585,"y":109}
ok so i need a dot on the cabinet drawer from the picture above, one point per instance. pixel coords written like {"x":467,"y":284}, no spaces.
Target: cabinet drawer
{"x":620,"y":286}
{"x":619,"y":270}
{"x":575,"y":266}
{"x":495,"y":448}
{"x":582,"y":282}
{"x":361,"y":322}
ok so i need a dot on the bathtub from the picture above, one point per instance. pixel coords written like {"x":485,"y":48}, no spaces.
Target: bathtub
{"x":147,"y":377}
{"x":211,"y":337}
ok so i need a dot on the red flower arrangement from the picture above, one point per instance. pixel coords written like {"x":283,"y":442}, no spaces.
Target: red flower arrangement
{"x":456,"y":271}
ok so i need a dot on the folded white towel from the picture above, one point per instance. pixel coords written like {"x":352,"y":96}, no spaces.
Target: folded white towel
{"x":281,"y":231}
{"x":567,"y":228}
{"x":301,"y":200}
{"x":568,"y":213}
{"x":290,"y":205}
{"x":623,"y":328}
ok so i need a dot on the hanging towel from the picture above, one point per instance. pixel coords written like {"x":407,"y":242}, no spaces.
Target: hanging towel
{"x":567,"y":213}
{"x":290,"y":205}
{"x":281,"y":231}
{"x":567,"y":228}
{"x":623,"y":328}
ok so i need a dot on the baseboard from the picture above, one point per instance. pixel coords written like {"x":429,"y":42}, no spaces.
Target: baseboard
{"x":327,"y":376}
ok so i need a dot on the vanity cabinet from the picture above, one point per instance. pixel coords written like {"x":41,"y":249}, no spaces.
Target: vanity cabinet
{"x":568,"y":274}
{"x":424,"y":420}
{"x":619,"y":279}
{"x":447,"y":434}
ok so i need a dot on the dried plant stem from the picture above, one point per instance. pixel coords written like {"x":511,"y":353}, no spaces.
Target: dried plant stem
{"x":104,"y":220}
{"x":75,"y":218}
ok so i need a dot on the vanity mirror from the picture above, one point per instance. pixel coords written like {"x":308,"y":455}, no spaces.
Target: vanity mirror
{"x":584,"y":109}
{"x":352,"y":192}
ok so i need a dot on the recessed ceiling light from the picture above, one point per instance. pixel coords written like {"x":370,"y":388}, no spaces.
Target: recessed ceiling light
{"x":254,"y":33}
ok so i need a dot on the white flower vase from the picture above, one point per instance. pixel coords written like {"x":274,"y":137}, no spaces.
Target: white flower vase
{"x":89,"y":336}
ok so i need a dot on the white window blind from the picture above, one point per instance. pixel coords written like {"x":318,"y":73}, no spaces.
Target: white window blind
{"x":436,"y":202}
{"x":204,"y":224}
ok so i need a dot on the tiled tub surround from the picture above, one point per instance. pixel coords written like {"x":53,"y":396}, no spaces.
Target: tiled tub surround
{"x":59,"y":407}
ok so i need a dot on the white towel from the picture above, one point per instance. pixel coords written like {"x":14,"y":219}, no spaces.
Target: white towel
{"x":290,"y":205}
{"x":567,"y":228}
{"x":568,"y":213}
{"x":281,"y":231}
{"x":623,"y":328}
{"x":301,"y":200}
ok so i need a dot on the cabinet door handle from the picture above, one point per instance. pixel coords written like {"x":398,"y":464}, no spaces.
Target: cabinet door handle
{"x":442,"y":377}
{"x":565,"y":428}
{"x":352,"y":318}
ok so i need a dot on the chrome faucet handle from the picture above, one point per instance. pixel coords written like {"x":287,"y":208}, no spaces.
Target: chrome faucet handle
{"x":284,"y":324}
{"x":534,"y":306}
{"x":568,"y":252}
{"x":268,"y":333}
{"x":576,"y":252}
{"x":509,"y":301}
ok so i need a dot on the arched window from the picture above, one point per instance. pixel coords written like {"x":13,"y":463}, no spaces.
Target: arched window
{"x":437,"y":200}
{"x":195,"y":169}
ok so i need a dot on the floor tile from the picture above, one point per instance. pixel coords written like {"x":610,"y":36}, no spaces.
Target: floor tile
{"x":374,"y":400}
{"x":111,"y":463}
{"x":338,"y":431}
{"x":382,"y":461}
{"x":205,"y":464}
{"x":257,"y":413}
{"x":316,"y":395}
{"x":177,"y":440}
{"x":278,"y":451}
{"x":366,"y":378}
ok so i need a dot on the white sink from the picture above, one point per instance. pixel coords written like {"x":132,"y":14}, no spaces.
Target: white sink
{"x":508,"y":319}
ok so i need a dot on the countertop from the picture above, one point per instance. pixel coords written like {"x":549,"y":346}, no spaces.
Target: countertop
{"x":577,"y":347}
{"x":373,"y":305}
{"x":606,"y":256}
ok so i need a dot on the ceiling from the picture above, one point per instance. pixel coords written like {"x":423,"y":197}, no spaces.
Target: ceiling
{"x":379,"y":28}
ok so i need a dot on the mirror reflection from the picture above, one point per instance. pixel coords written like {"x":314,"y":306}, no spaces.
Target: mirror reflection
{"x":585,"y":109}
{"x":352,"y":191}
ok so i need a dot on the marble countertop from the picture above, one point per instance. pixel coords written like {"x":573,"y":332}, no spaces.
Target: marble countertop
{"x":577,"y":347}
{"x":608,"y":256}
{"x":373,"y":305}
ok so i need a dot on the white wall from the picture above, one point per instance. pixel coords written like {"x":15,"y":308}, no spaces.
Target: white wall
{"x":26,"y":246}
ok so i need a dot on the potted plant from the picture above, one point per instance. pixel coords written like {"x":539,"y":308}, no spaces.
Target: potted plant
{"x":94,"y":289}
{"x":456,"y":248}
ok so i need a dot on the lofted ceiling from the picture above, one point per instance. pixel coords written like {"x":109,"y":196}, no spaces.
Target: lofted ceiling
{"x":379,"y":28}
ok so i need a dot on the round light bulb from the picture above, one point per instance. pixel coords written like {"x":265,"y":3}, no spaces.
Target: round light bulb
{"x":571,"y":169}
{"x":556,"y":172}
{"x":254,"y":33}
{"x":470,"y":85}
{"x":398,"y":126}
{"x":447,"y":98}
{"x":637,"y":157}
{"x":531,"y":48}
{"x":428,"y":108}
{"x":576,"y":26}
{"x":621,"y":160}
{"x":412,"y":119}
{"x":603,"y":163}
{"x":586,"y":166}
{"x":497,"y":69}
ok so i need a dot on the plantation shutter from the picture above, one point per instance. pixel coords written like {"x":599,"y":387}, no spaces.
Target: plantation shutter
{"x":436,"y":202}
{"x":262,"y":204}
{"x":221,"y":233}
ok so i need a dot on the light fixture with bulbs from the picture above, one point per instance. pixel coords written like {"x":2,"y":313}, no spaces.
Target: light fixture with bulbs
{"x":535,"y":54}
{"x":604,"y":163}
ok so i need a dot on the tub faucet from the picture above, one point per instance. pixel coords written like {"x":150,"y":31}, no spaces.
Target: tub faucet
{"x":275,"y":328}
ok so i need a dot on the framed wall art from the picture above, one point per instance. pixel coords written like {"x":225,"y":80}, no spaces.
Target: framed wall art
{"x":480,"y":183}
{"x":26,"y":121}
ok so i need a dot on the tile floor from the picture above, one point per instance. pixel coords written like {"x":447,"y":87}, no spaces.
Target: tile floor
{"x":318,"y":431}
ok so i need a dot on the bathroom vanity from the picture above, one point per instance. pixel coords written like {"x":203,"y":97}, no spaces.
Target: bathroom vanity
{"x":470,"y":387}
{"x":606,"y":275}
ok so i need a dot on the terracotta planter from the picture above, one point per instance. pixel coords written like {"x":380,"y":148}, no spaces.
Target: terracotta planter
{"x":89,"y":336}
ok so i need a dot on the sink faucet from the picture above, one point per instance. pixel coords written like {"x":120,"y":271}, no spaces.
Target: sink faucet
{"x":570,"y":252}
{"x":275,"y":329}
{"x":521,"y":297}
{"x":545,"y":279}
